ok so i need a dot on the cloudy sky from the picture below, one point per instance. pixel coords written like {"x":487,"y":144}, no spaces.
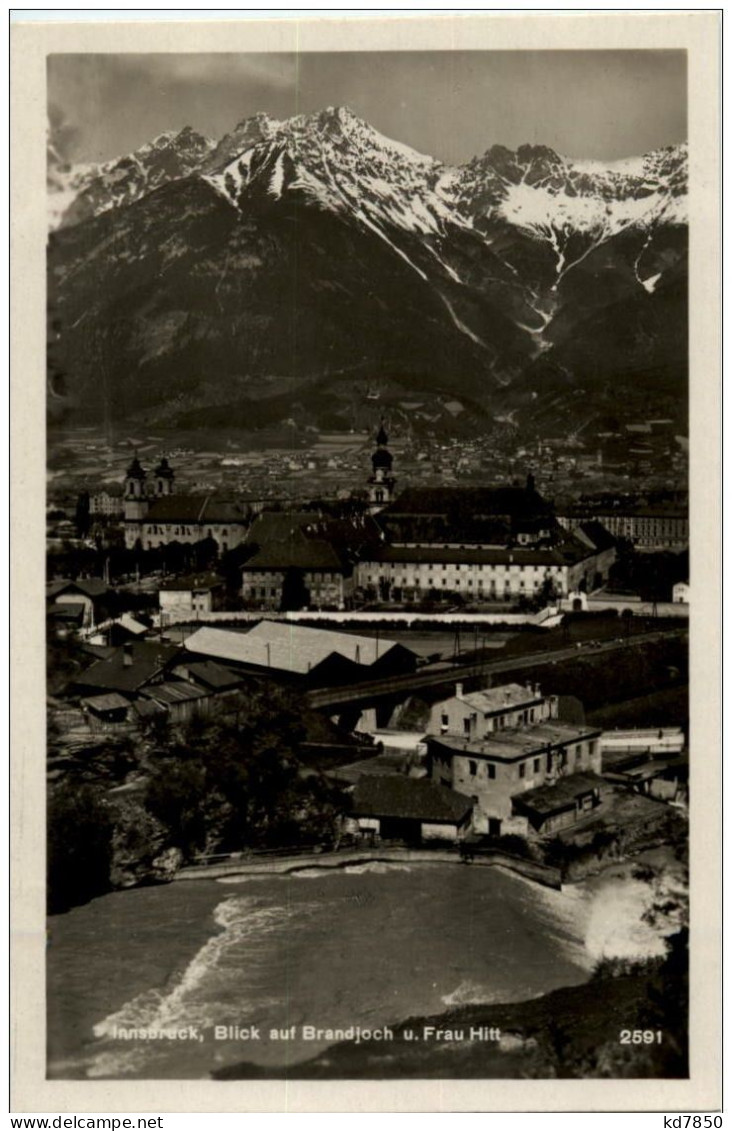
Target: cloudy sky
{"x":452,"y":105}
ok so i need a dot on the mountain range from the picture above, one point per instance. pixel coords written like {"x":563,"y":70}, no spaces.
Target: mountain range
{"x":294,"y":268}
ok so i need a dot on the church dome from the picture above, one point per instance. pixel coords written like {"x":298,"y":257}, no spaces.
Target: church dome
{"x":382,"y":458}
{"x":381,"y":437}
{"x":135,"y":470}
{"x":164,"y":470}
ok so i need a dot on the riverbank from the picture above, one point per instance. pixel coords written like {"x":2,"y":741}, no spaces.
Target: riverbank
{"x":347,"y":858}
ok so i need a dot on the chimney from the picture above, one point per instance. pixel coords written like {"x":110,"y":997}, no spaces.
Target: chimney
{"x":127,"y":655}
{"x":458,"y":690}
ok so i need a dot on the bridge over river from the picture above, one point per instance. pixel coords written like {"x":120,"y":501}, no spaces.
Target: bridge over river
{"x":444,"y":675}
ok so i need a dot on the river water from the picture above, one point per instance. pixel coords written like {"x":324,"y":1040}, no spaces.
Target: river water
{"x":366,"y":945}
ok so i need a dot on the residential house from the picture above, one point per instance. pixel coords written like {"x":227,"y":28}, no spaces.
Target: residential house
{"x":179,"y":699}
{"x":396,"y":807}
{"x":190,"y":597}
{"x":549,"y":808}
{"x":474,"y":714}
{"x":496,"y":769}
{"x":128,"y":669}
{"x":76,"y":604}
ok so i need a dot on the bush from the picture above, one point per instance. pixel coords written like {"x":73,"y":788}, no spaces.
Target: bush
{"x":79,"y":847}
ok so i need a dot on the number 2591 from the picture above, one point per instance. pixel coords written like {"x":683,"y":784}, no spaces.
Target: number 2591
{"x":640,"y":1036}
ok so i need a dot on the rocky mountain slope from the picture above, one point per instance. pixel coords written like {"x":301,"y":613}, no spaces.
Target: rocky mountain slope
{"x":292,"y":260}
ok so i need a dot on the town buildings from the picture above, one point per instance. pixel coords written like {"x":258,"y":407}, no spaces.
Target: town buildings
{"x":650,"y":527}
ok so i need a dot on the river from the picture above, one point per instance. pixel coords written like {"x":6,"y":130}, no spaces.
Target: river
{"x":366,"y":945}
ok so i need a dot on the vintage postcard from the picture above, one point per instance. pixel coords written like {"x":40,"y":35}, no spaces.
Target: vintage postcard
{"x":366,"y":596}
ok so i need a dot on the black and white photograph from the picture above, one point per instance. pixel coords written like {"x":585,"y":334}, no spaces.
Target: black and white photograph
{"x":367,"y":544}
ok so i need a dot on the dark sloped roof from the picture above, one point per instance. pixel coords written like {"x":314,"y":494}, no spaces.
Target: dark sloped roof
{"x":90,"y":586}
{"x":567,"y":553}
{"x":563,"y":794}
{"x":148,"y":658}
{"x":193,"y":581}
{"x":410,"y":798}
{"x":112,"y":701}
{"x":601,"y":538}
{"x":214,"y":676}
{"x":478,"y":501}
{"x":174,"y":691}
{"x":300,"y":552}
{"x":195,"y":509}
{"x":71,"y":610}
{"x":294,"y":539}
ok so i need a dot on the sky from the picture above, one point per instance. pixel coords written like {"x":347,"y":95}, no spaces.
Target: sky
{"x":452,"y":105}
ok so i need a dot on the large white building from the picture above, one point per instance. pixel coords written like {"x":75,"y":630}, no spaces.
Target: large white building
{"x":406,"y":573}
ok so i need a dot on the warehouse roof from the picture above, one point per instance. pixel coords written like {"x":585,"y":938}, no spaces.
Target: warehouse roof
{"x":286,"y":647}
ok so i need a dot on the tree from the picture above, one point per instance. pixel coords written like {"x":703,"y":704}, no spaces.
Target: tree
{"x":235,"y":779}
{"x":294,"y":592}
{"x":79,"y":846}
{"x":82,"y":514}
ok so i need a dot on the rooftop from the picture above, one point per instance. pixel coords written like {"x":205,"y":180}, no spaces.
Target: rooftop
{"x":499,"y":698}
{"x":569,"y":551}
{"x":148,"y":659}
{"x":174,"y":691}
{"x":90,"y":586}
{"x":546,"y":799}
{"x":478,"y":501}
{"x":411,"y":798}
{"x":214,"y":676}
{"x":517,"y":742}
{"x":190,"y":582}
{"x":195,"y":509}
{"x":113,"y":701}
{"x":286,"y":647}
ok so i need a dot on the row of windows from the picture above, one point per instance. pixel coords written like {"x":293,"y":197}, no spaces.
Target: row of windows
{"x":419,"y":568}
{"x":565,"y":758}
{"x":153,"y":528}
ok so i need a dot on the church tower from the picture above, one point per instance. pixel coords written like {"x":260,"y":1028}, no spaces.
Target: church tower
{"x":135,"y":502}
{"x":381,"y":481}
{"x":164,"y":476}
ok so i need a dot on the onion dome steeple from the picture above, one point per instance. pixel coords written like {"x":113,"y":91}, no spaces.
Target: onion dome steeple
{"x":381,"y":481}
{"x":164,"y":476}
{"x":382,"y":458}
{"x":136,"y":470}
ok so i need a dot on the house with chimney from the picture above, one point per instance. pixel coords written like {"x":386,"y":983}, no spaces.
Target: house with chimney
{"x":502,"y":745}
